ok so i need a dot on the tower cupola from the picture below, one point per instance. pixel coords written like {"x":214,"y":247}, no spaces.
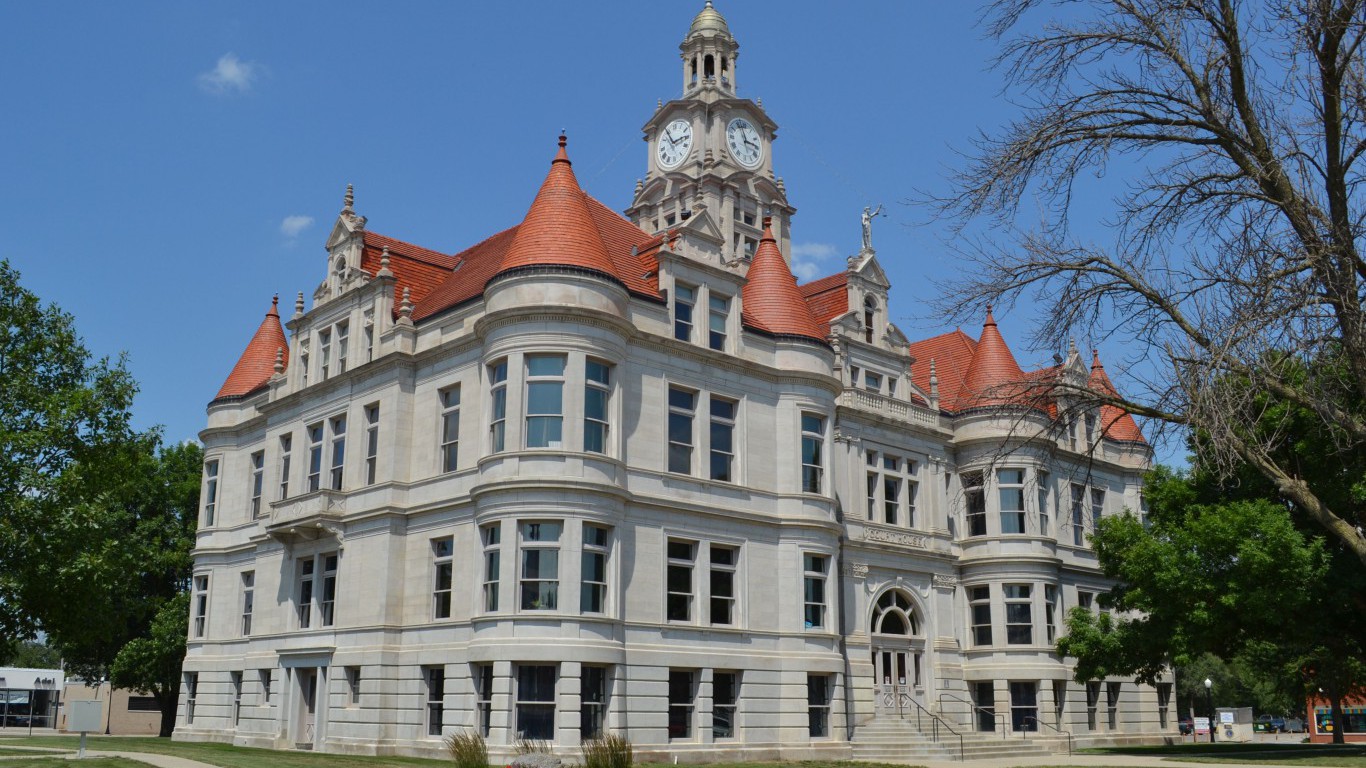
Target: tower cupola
{"x":709,"y":53}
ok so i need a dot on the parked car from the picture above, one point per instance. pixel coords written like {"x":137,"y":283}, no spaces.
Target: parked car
{"x":1186,"y":726}
{"x":1269,"y":724}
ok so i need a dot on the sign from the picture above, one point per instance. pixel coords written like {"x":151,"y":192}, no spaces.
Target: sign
{"x":85,"y":716}
{"x":1202,"y":725}
{"x":1226,"y":717}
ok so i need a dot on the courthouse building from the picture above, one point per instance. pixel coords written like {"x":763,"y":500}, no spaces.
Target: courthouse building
{"x":607,"y":472}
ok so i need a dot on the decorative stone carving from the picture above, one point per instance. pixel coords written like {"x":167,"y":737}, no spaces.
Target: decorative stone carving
{"x":945,"y":581}
{"x":856,"y":570}
{"x":895,"y":537}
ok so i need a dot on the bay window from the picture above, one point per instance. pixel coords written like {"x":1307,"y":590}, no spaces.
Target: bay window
{"x":540,"y":575}
{"x":545,"y":401}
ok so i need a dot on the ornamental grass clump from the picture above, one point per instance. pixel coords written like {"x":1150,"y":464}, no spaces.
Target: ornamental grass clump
{"x":609,"y":751}
{"x":468,"y":750}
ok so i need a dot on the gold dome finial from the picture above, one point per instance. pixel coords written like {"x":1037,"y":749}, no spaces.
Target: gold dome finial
{"x":709,"y":21}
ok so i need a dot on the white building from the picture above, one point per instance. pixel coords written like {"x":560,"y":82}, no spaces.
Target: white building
{"x":622,"y":473}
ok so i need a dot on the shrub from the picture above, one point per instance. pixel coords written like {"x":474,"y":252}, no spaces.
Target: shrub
{"x":468,"y":750}
{"x":609,"y":751}
{"x":527,"y":746}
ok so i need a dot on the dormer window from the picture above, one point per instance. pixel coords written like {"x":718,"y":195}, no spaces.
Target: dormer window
{"x":869,"y":314}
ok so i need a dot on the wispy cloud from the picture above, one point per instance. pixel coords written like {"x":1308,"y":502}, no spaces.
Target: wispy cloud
{"x":230,"y":75}
{"x":807,"y":259}
{"x":293,"y":225}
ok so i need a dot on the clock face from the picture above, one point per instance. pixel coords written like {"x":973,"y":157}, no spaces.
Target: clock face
{"x":674,"y":143}
{"x":744,"y":142}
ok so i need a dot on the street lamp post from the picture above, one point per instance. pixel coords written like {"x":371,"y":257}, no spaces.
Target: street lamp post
{"x":1209,"y":701}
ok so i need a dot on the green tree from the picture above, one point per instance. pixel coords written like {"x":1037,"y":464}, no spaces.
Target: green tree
{"x":152,"y":662}
{"x":1236,"y":577}
{"x":96,"y":520}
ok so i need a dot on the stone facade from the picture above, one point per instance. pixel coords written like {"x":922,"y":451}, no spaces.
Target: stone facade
{"x":572,"y":497}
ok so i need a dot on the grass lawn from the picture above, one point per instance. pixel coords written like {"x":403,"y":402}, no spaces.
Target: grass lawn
{"x":1346,"y":755}
{"x":61,"y":761}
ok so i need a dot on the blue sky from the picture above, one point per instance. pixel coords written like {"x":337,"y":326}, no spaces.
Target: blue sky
{"x":166,"y":167}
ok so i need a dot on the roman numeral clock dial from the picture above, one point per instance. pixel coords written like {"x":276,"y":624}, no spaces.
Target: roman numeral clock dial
{"x":673,"y":144}
{"x":744,"y":142}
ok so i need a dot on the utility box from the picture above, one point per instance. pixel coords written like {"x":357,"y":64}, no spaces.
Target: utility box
{"x":85,"y":716}
{"x":1234,"y":724}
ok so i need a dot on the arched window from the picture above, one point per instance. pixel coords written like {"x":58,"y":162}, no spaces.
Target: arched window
{"x":894,"y":615}
{"x":709,"y":67}
{"x":869,"y":313}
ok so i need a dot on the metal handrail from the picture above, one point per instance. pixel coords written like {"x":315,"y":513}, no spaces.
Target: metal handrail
{"x":994,"y":715}
{"x":1056,"y":729}
{"x":937,"y":721}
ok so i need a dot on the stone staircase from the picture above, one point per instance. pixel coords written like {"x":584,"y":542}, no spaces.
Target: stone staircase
{"x":891,"y":740}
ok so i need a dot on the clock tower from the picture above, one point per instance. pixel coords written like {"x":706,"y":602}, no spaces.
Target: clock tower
{"x":710,"y":164}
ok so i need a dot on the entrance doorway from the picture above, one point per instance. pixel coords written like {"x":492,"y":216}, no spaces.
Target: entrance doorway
{"x":898,"y":654}
{"x":306,"y":713}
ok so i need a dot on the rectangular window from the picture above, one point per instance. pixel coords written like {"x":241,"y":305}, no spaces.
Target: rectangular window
{"x":1092,"y":702}
{"x":266,"y":675}
{"x":483,"y":698}
{"x":353,"y":686}
{"x":368,"y":329}
{"x":1090,"y":422}
{"x":682,"y":406}
{"x":818,"y":690}
{"x":258,"y":477}
{"x":540,"y":581}
{"x":725,"y":693}
{"x":723,"y":439}
{"x":443,"y":550}
{"x":1050,"y":612}
{"x":597,"y":378}
{"x":338,"y":425}
{"x":593,"y":702}
{"x":236,"y":680}
{"x":201,"y":604}
{"x":813,"y":452}
{"x":1097,"y":506}
{"x":813,"y":589}
{"x":317,"y":582}
{"x":327,"y":606}
{"x":304,"y":607}
{"x":1010,"y":490}
{"x":1019,"y":615}
{"x":343,"y":341}
{"x":872,"y":381}
{"x":682,"y":693}
{"x":1045,"y":493}
{"x":545,"y":401}
{"x":1085,"y":599}
{"x":975,"y":501}
{"x":874,"y":484}
{"x":436,"y":698}
{"x":248,"y":600}
{"x":324,"y":353}
{"x":286,"y":443}
{"x":723,"y":563}
{"x":315,"y":456}
{"x":450,"y":428}
{"x":303,"y":362}
{"x":1024,"y":706}
{"x":1078,"y":514}
{"x":593,"y":570}
{"x":1112,"y":705}
{"x":678,"y":580}
{"x":719,"y":310}
{"x":536,"y":702}
{"x":492,"y":536}
{"x":498,"y":406}
{"x":371,"y":442}
{"x":191,"y":695}
{"x":684,"y":298}
{"x":891,"y":489}
{"x":979,"y":603}
{"x":984,"y":695}
{"x":210,"y":491}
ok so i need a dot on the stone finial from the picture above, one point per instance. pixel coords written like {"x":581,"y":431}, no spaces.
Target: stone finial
{"x":781,"y":186}
{"x":934,"y":385}
{"x":279,"y":361}
{"x":384,"y":270}
{"x":349,"y":201}
{"x":659,"y":103}
{"x":640,"y":186}
{"x":407,"y":307}
{"x":299,"y":305}
{"x":759,"y":102}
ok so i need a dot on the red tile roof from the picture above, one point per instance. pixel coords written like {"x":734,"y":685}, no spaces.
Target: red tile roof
{"x":828,"y":298}
{"x":559,"y":229}
{"x":257,"y":363}
{"x":772,"y":302}
{"x":1116,"y":423}
{"x":952,"y":354}
{"x":419,"y":269}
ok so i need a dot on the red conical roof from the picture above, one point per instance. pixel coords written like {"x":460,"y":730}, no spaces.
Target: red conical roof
{"x":257,"y":363}
{"x":993,"y":378}
{"x":772,"y":301}
{"x":559,"y":229}
{"x":1116,"y":423}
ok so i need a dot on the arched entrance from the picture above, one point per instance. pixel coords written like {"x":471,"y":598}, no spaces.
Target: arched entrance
{"x":898,"y":646}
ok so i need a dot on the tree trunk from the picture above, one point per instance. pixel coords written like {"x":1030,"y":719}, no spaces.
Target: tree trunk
{"x":1339,"y":722}
{"x":166,"y":702}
